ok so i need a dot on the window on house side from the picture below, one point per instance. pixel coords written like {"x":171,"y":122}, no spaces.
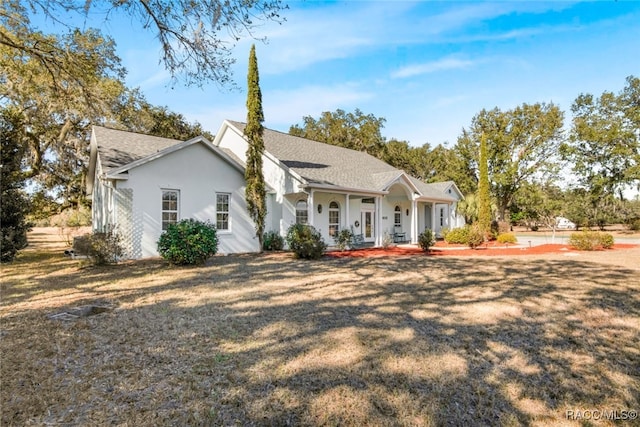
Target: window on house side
{"x":222,"y":211}
{"x":441,"y":217}
{"x":170,"y":199}
{"x":334,"y":218}
{"x":302,"y":214}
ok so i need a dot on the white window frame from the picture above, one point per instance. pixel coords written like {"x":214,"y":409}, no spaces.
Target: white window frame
{"x":222,"y":212}
{"x":334,"y":227}
{"x":397,"y":217}
{"x":300,"y":213}
{"x":165,"y":223}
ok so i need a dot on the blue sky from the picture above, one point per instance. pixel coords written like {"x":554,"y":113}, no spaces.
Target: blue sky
{"x":426,"y":67}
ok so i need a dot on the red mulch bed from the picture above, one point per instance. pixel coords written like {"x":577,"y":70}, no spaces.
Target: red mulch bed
{"x":495,"y":250}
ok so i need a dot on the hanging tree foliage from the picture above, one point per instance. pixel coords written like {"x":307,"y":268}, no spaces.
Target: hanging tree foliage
{"x":196,"y":37}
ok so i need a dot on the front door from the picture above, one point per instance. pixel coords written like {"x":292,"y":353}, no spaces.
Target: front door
{"x":368,"y":226}
{"x":428,"y":212}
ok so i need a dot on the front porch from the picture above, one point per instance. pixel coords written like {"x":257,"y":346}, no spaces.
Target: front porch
{"x":397,"y":215}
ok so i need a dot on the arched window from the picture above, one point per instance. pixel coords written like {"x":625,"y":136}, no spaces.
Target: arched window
{"x":302,"y":214}
{"x":397,"y":217}
{"x":334,"y":218}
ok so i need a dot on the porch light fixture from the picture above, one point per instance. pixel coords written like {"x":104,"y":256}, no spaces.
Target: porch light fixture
{"x":319,"y":208}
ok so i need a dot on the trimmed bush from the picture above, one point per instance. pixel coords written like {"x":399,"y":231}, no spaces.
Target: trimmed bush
{"x":100,"y":248}
{"x":426,"y":239}
{"x":458,"y":235}
{"x":476,"y":236}
{"x":343,"y":239}
{"x":305,"y":241}
{"x":387,"y":241}
{"x":507,"y":238}
{"x":606,"y":240}
{"x":188,"y":242}
{"x":272,"y":241}
{"x":588,"y":240}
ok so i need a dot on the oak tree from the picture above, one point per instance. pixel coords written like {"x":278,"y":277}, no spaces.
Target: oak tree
{"x":522,"y":144}
{"x":604,"y":143}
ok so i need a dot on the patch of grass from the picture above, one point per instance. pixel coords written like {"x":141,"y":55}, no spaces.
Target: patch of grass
{"x":270,"y":340}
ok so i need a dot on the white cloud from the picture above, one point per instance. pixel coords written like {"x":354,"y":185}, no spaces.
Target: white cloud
{"x":431,"y":67}
{"x":450,"y":100}
{"x":212,"y":118}
{"x":285,"y":107}
{"x":282,"y":108}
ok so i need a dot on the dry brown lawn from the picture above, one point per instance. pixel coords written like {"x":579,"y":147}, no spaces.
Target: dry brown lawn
{"x":268,"y":340}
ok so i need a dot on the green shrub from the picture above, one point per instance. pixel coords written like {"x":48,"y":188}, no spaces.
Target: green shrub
{"x":272,"y":241}
{"x":305,"y":241}
{"x":343,"y":239}
{"x":507,"y":238}
{"x":80,"y":217}
{"x":100,"y":248}
{"x":588,"y":240}
{"x":12,"y":239}
{"x":606,"y":240}
{"x":458,"y":235}
{"x":188,"y":242}
{"x":634,"y":224}
{"x":14,"y":206}
{"x":476,"y":236}
{"x":426,"y":239}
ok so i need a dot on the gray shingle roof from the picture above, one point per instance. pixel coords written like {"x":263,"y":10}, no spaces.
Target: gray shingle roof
{"x":118,"y":148}
{"x":434,"y":190}
{"x":320,"y":163}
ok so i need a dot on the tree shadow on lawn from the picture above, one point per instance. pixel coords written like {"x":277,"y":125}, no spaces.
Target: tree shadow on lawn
{"x":268,"y":340}
{"x":466,"y":349}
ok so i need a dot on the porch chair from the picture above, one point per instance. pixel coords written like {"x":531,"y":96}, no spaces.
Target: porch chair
{"x":399,"y":236}
{"x":358,"y":239}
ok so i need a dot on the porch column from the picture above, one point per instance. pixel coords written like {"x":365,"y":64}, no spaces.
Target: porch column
{"x":433,"y":218}
{"x":310,"y":208}
{"x":378,"y":241}
{"x":414,"y":221}
{"x":346,"y":211}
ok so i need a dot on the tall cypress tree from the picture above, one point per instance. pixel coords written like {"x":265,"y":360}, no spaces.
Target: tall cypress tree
{"x":484,"y":198}
{"x":255,"y":193}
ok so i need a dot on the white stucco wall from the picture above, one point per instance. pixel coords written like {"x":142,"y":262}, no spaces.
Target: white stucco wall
{"x":197,"y":173}
{"x":281,"y":210}
{"x":102,"y":203}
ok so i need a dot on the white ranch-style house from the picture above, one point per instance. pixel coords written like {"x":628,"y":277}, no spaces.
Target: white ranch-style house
{"x":139,"y":184}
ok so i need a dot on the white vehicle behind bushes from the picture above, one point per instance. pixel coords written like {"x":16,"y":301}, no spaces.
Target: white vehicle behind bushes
{"x":564,"y":224}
